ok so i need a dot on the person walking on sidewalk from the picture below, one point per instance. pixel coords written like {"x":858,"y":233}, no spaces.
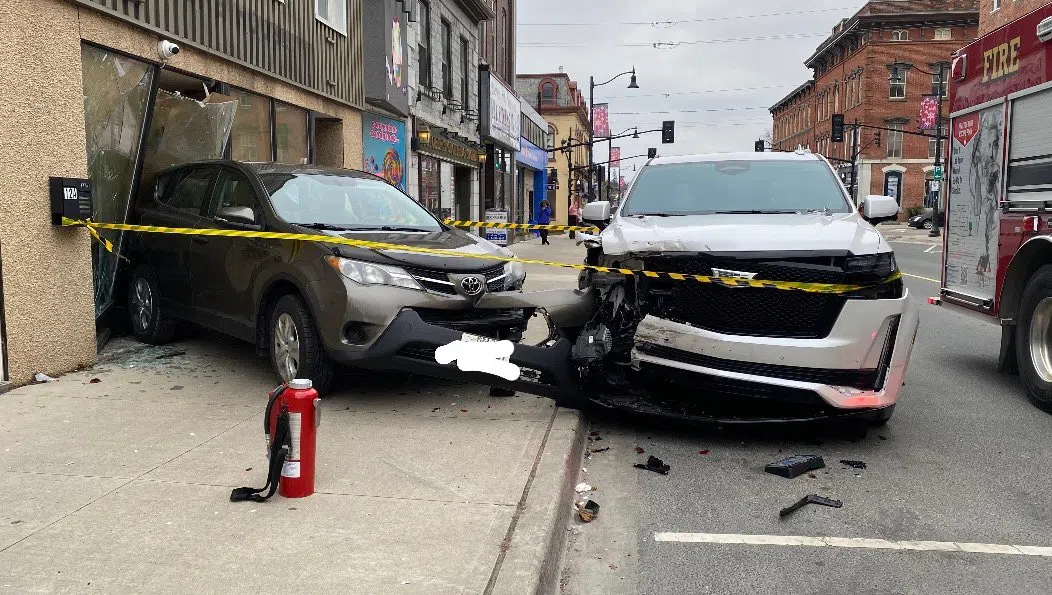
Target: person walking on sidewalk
{"x":544,"y":217}
{"x":575,"y":216}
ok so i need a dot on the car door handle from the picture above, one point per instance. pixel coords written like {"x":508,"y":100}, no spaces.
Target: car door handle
{"x":201,"y":239}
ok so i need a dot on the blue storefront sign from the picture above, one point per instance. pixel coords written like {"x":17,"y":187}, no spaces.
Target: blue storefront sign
{"x":383,"y":149}
{"x":531,"y":155}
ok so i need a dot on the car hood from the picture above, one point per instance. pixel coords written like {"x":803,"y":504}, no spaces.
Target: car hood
{"x":743,"y":233}
{"x":447,"y":240}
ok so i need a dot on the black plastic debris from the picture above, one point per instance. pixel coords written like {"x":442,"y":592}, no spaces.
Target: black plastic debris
{"x":588,"y":511}
{"x":599,"y":450}
{"x":853,"y":464}
{"x":810,"y":499}
{"x":654,"y":464}
{"x":794,"y":466}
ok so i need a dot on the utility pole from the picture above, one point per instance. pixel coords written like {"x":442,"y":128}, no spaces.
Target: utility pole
{"x":938,"y":157}
{"x":854,"y":162}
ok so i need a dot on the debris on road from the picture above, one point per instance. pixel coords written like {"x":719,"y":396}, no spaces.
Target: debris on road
{"x":588,"y":511}
{"x":95,"y":381}
{"x":604,"y":449}
{"x":812,"y":475}
{"x":794,"y":466}
{"x":639,"y":450}
{"x":171,"y":354}
{"x":582,"y":487}
{"x":654,"y":464}
{"x":853,"y":464}
{"x":810,"y":499}
{"x":41,"y":378}
{"x":704,"y":451}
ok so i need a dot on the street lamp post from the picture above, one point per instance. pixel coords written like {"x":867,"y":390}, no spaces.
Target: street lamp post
{"x":591,"y":115}
{"x":940,"y":83}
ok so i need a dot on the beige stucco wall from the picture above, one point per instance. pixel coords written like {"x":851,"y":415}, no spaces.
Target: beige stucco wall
{"x":564,"y":124}
{"x":47,"y":276}
{"x":48,"y":296}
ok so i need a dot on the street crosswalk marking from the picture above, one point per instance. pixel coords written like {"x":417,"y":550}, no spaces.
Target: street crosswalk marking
{"x":855,"y":542}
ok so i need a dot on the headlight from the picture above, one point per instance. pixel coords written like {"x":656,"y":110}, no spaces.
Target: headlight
{"x":880,"y":265}
{"x":515,"y":272}
{"x":368,"y":273}
{"x":872,"y":271}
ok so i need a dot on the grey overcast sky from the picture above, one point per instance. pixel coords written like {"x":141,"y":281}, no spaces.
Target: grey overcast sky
{"x":717,"y":83}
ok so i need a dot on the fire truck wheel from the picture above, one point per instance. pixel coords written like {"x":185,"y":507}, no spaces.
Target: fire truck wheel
{"x":295,"y":345}
{"x":148,"y":321}
{"x":1034,"y":336}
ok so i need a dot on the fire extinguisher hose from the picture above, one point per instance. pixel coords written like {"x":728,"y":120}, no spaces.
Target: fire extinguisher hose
{"x":280,"y":447}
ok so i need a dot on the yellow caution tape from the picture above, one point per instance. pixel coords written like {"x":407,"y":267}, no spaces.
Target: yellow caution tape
{"x":496,"y":225}
{"x":327,"y":239}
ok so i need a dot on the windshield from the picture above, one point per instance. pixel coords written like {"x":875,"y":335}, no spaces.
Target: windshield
{"x":711,"y":187}
{"x":345,"y":202}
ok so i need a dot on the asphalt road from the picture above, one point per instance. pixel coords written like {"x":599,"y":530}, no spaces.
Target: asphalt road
{"x":964,"y":460}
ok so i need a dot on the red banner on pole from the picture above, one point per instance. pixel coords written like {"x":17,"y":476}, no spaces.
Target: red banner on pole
{"x":615,"y":156}
{"x":929,"y":109}
{"x":601,"y":119}
{"x":622,"y":182}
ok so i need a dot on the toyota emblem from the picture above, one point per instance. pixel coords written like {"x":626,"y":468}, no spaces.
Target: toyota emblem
{"x":472,"y":286}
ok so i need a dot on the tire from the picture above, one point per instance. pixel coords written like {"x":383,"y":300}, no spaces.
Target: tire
{"x":927,"y":224}
{"x":1033,"y":336}
{"x":147,"y":320}
{"x":295,"y":346}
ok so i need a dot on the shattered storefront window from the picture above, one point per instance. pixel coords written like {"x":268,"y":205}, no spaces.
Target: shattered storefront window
{"x":116,"y":96}
{"x":251,"y":139}
{"x":185,"y":129}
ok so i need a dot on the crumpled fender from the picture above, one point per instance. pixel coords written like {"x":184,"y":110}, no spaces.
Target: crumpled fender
{"x":565,"y":308}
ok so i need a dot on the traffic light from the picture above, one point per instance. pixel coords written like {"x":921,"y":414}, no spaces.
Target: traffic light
{"x":651,"y":153}
{"x":668,"y":132}
{"x":837,"y":134}
{"x":758,"y":146}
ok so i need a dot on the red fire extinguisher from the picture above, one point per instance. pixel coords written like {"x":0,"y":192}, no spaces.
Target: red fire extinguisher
{"x":290,"y":425}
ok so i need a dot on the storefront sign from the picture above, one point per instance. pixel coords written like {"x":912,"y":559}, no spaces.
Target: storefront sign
{"x":386,"y":55}
{"x":447,"y":147}
{"x":1007,"y":60}
{"x":501,"y":114}
{"x":531,"y":155}
{"x":383,"y":149}
{"x":497,"y":236}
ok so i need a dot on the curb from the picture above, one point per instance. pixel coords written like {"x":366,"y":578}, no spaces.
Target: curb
{"x":535,"y":550}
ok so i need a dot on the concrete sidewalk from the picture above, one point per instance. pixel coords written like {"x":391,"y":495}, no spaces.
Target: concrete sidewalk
{"x":122,"y":484}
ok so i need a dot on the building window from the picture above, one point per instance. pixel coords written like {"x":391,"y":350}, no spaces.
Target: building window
{"x":932,"y":144}
{"x":250,"y":138}
{"x":447,"y":59}
{"x":898,"y":83}
{"x":552,"y":133}
{"x":548,"y":93}
{"x":943,"y":34}
{"x":333,"y":13}
{"x":291,"y":133}
{"x":502,"y":40}
{"x":424,"y":46}
{"x":997,"y":6}
{"x":936,"y":88}
{"x":900,"y":35}
{"x":895,"y":140}
{"x":465,"y":52}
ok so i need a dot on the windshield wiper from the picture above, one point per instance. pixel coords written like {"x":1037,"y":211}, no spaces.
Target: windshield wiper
{"x":659,"y":215}
{"x":755,"y":212}
{"x":325,"y":226}
{"x":403,"y":228}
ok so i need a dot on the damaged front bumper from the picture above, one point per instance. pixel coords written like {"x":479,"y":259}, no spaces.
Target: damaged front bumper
{"x":409,"y":342}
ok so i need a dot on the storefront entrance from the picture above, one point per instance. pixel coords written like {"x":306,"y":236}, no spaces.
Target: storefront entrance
{"x":462,"y":193}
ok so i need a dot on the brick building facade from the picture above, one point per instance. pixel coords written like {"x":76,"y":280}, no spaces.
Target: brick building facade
{"x":872,"y":69}
{"x":995,"y":13}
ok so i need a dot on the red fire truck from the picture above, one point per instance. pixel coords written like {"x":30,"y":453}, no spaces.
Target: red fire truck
{"x":997,"y":246}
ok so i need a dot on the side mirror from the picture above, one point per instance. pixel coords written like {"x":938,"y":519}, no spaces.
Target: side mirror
{"x":596,"y":213}
{"x":239,"y":216}
{"x":876,"y":207}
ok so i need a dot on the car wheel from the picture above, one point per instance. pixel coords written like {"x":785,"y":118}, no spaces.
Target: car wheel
{"x":1034,"y":336}
{"x":927,"y":224}
{"x":296,"y":350}
{"x":148,"y":321}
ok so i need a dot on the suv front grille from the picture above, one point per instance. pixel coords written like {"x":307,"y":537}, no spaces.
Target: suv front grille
{"x":438,"y":281}
{"x":748,"y":311}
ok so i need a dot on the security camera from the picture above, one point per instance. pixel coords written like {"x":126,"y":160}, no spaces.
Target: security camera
{"x":167,"y":50}
{"x":1044,"y":30}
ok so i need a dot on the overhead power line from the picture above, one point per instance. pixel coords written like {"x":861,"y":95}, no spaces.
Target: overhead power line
{"x":691,"y":111}
{"x":669,"y":44}
{"x":673,"y":22}
{"x":701,"y":92}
